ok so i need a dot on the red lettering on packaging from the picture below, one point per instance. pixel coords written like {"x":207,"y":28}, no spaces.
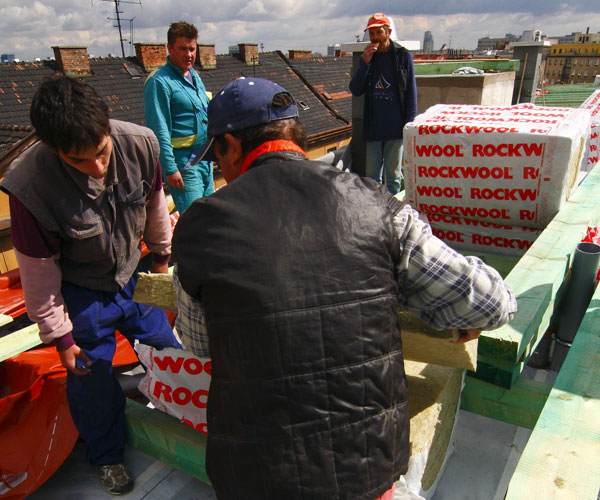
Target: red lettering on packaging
{"x":504,"y":194}
{"x":508,"y":150}
{"x":180,"y":395}
{"x":448,"y":235}
{"x":467,"y":212}
{"x":438,"y":192}
{"x":190,"y":365}
{"x":502,"y":242}
{"x":451,"y":172}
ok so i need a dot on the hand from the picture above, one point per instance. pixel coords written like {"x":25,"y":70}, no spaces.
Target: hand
{"x":368,"y":52}
{"x":175,"y":180}
{"x":466,"y":335}
{"x":69,"y":357}
{"x":160,"y":268}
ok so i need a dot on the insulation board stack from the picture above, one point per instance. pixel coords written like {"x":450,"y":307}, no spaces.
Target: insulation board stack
{"x":490,"y":178}
{"x":592,"y":103}
{"x":433,"y":402}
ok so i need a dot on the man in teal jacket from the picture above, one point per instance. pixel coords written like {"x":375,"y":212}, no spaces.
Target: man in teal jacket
{"x":175,"y":102}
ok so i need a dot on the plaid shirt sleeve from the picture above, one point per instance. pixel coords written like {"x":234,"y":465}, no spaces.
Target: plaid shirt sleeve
{"x":190,"y":323}
{"x":444,"y":288}
{"x":436,"y":283}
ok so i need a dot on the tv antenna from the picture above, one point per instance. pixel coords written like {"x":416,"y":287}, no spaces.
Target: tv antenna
{"x":118,"y":20}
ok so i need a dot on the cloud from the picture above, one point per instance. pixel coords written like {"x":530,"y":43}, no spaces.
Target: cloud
{"x":278,"y":24}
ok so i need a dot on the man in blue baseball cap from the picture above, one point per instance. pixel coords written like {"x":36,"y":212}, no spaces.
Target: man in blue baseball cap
{"x":290,"y":277}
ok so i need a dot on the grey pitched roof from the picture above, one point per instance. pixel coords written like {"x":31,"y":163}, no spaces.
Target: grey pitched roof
{"x":315,"y":117}
{"x":120,"y":82}
{"x":329,"y":77}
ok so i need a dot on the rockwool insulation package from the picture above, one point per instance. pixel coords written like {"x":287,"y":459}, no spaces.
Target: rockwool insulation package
{"x":476,"y":236}
{"x":507,"y":165}
{"x":592,"y":103}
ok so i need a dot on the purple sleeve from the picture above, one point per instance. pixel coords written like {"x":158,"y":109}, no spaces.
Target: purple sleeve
{"x":158,"y":184}
{"x":28,"y":235}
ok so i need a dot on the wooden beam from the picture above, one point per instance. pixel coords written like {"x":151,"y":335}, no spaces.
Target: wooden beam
{"x":521,"y":405}
{"x":19,"y":341}
{"x":5,"y":319}
{"x":538,"y":277}
{"x":498,"y":373}
{"x":562,"y":457}
{"x":165,"y":438}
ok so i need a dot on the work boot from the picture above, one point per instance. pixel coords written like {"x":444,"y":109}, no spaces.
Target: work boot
{"x":115,"y":478}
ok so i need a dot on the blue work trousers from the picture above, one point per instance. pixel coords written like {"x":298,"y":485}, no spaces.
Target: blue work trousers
{"x":96,"y":400}
{"x":385,"y":155}
{"x":198,"y":182}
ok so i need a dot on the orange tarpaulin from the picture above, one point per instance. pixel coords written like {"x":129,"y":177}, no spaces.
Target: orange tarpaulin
{"x":36,"y":430}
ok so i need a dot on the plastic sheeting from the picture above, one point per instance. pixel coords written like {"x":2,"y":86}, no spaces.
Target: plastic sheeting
{"x":36,"y":430}
{"x":514,"y":165}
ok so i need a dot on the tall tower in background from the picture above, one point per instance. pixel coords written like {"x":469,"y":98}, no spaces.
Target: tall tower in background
{"x":428,"y":42}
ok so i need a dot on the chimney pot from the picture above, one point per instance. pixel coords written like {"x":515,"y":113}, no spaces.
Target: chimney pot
{"x":151,"y":55}
{"x":300,"y":54}
{"x":249,"y":53}
{"x":73,"y":61}
{"x":206,"y":56}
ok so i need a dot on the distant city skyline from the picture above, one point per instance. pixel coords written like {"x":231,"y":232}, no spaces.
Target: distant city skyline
{"x":29,"y":28}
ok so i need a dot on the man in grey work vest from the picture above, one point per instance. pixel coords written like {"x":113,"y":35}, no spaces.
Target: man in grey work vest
{"x":80,"y":201}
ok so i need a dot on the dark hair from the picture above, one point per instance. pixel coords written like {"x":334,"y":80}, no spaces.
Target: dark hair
{"x":181,"y":29}
{"x":289,"y":129}
{"x":68,"y":115}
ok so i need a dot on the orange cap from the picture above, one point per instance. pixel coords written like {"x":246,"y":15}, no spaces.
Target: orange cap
{"x":377,"y":20}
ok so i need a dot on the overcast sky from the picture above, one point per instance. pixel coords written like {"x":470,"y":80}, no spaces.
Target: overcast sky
{"x":29,"y":28}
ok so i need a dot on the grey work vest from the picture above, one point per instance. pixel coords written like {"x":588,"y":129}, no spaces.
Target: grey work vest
{"x":100,"y":225}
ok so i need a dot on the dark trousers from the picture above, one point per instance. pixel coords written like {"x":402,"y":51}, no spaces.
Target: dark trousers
{"x":96,"y":400}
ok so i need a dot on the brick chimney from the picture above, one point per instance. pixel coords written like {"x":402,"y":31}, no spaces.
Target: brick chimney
{"x":300,"y":54}
{"x":206,"y":56}
{"x":72,"y":61}
{"x":340,"y":53}
{"x":150,"y":55}
{"x":249,"y":53}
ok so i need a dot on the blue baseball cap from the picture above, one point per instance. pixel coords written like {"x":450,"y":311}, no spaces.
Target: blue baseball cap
{"x":242,"y":103}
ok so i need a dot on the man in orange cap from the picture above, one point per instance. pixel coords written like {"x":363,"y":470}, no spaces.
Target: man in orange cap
{"x":386,"y":77}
